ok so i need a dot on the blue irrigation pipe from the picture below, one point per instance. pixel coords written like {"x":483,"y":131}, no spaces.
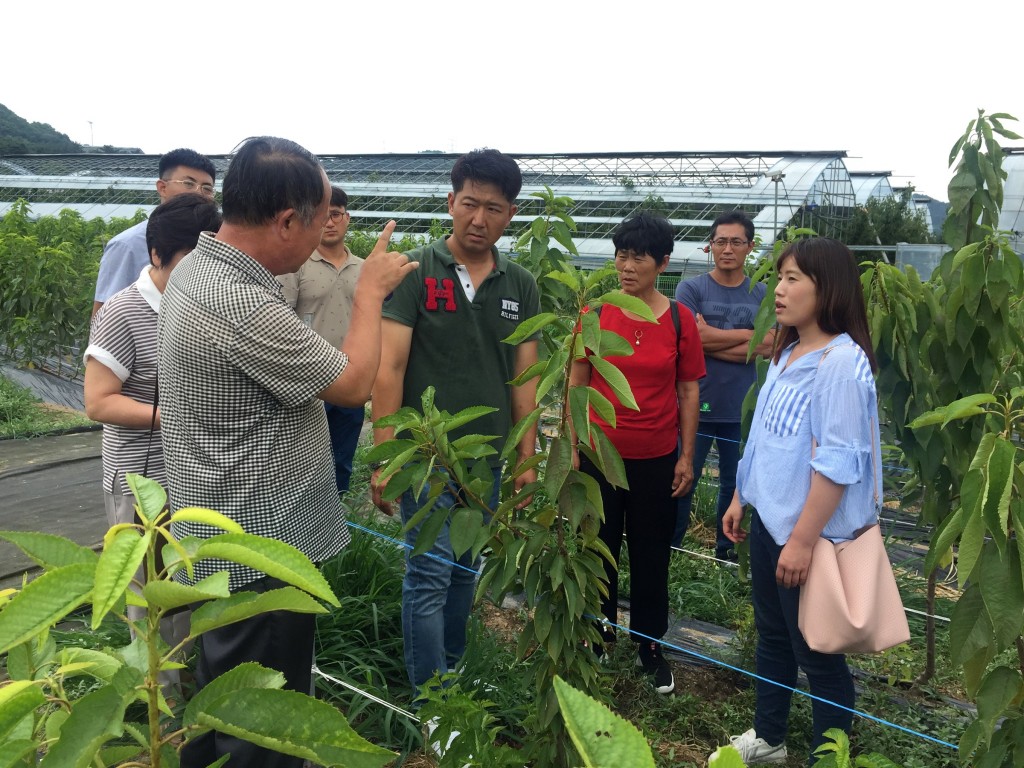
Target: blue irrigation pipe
{"x":724,"y":665}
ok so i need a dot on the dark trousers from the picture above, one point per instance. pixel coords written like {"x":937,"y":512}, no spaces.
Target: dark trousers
{"x":646,"y":513}
{"x":344,"y":425}
{"x":727,"y":436}
{"x":280,"y":640}
{"x":781,"y":648}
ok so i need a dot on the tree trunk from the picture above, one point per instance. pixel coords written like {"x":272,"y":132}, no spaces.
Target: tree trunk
{"x":929,"y":632}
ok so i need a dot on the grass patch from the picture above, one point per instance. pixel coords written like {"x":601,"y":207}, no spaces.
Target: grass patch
{"x":22,"y":414}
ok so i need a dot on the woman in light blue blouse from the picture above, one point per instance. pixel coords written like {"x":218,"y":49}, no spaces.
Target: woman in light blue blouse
{"x":820,"y":390}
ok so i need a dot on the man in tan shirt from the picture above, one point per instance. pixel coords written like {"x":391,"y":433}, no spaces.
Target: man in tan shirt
{"x":322,"y":292}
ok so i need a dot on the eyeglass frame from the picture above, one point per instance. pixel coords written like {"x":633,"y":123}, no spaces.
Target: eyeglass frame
{"x":735,"y":242}
{"x":192,"y":185}
{"x":336,"y":215}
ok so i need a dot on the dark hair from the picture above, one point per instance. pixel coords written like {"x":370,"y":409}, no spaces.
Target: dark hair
{"x":189,"y":158}
{"x":734,"y":217}
{"x":268,"y":175}
{"x":175,"y":225}
{"x":645,"y":232}
{"x":488,"y":166}
{"x":338,"y":197}
{"x":833,"y":269}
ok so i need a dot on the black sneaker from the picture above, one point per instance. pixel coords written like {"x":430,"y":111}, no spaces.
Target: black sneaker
{"x":654,"y":664}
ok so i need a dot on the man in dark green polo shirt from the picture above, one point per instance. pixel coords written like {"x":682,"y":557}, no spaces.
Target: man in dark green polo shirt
{"x":443,"y":327}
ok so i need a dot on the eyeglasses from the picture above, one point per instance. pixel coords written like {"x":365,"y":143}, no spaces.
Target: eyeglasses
{"x":192,"y":186}
{"x":336,"y":215}
{"x":735,"y":242}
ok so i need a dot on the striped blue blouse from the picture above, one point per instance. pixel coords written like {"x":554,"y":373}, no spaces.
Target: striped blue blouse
{"x":836,"y":403}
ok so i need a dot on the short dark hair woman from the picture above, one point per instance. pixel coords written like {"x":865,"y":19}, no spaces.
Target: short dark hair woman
{"x":662,"y":372}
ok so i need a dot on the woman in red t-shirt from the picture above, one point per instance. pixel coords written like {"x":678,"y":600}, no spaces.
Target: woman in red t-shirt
{"x":662,"y":372}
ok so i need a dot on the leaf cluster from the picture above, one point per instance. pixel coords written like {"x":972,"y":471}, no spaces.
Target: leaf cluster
{"x":38,"y":710}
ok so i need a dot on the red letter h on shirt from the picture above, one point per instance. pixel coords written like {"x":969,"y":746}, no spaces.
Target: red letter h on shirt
{"x":447,"y":292}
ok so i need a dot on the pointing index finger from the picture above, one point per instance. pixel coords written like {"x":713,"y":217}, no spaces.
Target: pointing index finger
{"x":385,"y":236}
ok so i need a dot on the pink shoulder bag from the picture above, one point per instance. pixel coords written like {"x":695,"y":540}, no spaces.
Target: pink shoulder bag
{"x":850,"y":602}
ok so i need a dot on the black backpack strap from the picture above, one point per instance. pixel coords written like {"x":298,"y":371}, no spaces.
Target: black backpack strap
{"x":673,"y":307}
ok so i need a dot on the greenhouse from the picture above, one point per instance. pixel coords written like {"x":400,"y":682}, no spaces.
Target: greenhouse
{"x":812,"y":189}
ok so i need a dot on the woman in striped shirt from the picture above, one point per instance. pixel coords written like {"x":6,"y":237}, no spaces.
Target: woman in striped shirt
{"x":807,"y":471}
{"x":120,"y":369}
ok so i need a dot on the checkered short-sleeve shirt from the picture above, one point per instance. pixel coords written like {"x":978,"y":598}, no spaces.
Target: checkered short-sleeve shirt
{"x":243,"y":430}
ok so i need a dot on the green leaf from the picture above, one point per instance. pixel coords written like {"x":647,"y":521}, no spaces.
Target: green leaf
{"x":999,"y":689}
{"x":17,"y":700}
{"x":430,"y":527}
{"x":602,"y":406}
{"x":534,"y":370}
{"x":43,"y":602}
{"x":539,"y":227}
{"x":466,"y":415}
{"x":999,"y":484}
{"x":150,"y":497}
{"x":971,"y":541}
{"x":590,"y":330}
{"x":942,"y":540}
{"x":95,"y":719}
{"x":629,"y":303}
{"x":294,"y":724}
{"x":615,"y":380}
{"x":956,"y":148}
{"x":117,"y":566}
{"x":274,"y":558}
{"x":529,"y":327}
{"x":554,"y":373}
{"x":170,"y":594}
{"x":561,"y":233}
{"x":998,"y":579}
{"x":16,"y":751}
{"x":100,"y":665}
{"x":569,"y":278}
{"x":558,"y":466}
{"x":465,"y":529}
{"x":515,"y":437}
{"x":602,"y":738}
{"x":245,"y":605}
{"x":969,"y":630}
{"x":610,"y":461}
{"x":207,"y":517}
{"x":244,"y":676}
{"x":49,"y":551}
{"x":614,"y":345}
{"x":579,"y":411}
{"x":387,"y":450}
{"x":961,"y":190}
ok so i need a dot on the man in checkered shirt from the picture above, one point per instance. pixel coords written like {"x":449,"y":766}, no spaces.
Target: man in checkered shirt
{"x":241,"y":380}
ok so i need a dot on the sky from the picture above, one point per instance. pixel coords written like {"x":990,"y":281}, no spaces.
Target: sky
{"x":892,"y":83}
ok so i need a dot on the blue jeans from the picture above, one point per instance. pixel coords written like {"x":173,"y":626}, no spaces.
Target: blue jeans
{"x":344,"y":425}
{"x":727,"y":436}
{"x":436,"y":594}
{"x":781,"y":648}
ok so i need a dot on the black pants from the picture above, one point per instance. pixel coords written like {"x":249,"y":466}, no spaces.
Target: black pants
{"x":781,"y":649}
{"x":280,"y":640}
{"x":647,"y":514}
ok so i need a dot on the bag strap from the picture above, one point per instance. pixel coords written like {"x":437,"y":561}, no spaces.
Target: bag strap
{"x":871,"y":447}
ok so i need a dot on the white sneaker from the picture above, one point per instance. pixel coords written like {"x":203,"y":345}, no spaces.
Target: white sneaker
{"x":757,"y":751}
